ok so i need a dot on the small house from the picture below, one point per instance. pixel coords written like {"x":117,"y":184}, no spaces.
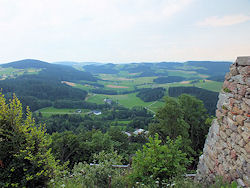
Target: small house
{"x":108,"y":101}
{"x":78,"y":111}
{"x":96,"y":112}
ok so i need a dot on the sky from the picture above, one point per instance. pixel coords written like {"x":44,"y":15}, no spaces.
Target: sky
{"x":121,"y":31}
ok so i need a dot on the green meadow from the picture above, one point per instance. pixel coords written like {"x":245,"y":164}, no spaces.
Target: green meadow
{"x":51,"y":111}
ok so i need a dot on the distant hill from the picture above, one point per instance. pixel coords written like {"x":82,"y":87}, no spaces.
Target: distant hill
{"x":72,"y":63}
{"x":213,"y":68}
{"x":27,"y":63}
{"x":51,"y":71}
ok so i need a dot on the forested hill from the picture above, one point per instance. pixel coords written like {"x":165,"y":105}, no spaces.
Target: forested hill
{"x":213,"y":68}
{"x":51,"y":71}
{"x":27,"y":63}
{"x":38,"y":84}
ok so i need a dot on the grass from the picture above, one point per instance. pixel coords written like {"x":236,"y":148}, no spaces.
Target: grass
{"x":52,"y":111}
{"x":12,"y":72}
{"x":210,"y":85}
{"x":128,"y":101}
{"x":97,"y":98}
{"x":186,"y":74}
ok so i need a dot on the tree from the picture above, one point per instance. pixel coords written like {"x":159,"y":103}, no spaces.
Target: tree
{"x":170,"y":121}
{"x":25,"y":157}
{"x":157,"y":162}
{"x":185,"y":116}
{"x":196,"y":116}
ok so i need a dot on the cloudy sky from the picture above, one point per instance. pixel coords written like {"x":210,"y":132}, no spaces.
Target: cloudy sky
{"x":124,"y":30}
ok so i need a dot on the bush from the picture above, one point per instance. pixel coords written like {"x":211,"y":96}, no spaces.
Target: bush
{"x":158,"y":163}
{"x":95,"y":175}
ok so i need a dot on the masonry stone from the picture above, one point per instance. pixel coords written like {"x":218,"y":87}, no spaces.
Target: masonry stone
{"x":227,"y":148}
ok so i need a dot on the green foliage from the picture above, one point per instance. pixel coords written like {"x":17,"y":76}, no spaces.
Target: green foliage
{"x":170,"y":122}
{"x":188,"y":183}
{"x":209,"y":98}
{"x":196,"y":116}
{"x":157,"y":162}
{"x":168,"y":79}
{"x":25,"y":156}
{"x":221,"y":183}
{"x":148,"y":94}
{"x":227,"y":90}
{"x":95,"y":175}
{"x":185,"y":116}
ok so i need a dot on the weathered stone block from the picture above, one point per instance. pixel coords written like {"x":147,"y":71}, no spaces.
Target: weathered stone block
{"x":240,"y":119}
{"x":247,"y":148}
{"x":241,"y":183}
{"x":238,"y":79}
{"x":247,"y":80}
{"x":245,"y":107}
{"x":237,"y":110}
{"x":228,"y":76}
{"x":241,"y":89}
{"x":233,"y":154}
{"x":233,"y":70}
{"x":247,"y":101}
{"x":223,"y":100}
{"x":243,"y":61}
{"x":245,"y":136}
{"x":242,"y":143}
{"x":223,"y":135}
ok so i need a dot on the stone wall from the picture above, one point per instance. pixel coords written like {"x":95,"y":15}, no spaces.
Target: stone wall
{"x":227,"y":148}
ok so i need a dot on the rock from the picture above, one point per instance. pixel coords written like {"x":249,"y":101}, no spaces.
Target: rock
{"x":247,"y":80}
{"x":242,"y":143}
{"x":241,"y":89}
{"x":247,"y":101}
{"x":240,"y":182}
{"x":246,"y":180}
{"x":247,"y":126}
{"x":234,"y":71}
{"x":243,"y":61}
{"x":245,"y":136}
{"x":223,"y":135}
{"x":237,"y":111}
{"x":245,"y":107}
{"x":228,"y":76}
{"x":247,"y":148}
{"x":238,"y":79}
{"x":244,"y":70}
{"x":240,"y":119}
{"x":228,"y":132}
{"x":223,"y":99}
{"x":247,"y":95}
{"x":233,"y":154}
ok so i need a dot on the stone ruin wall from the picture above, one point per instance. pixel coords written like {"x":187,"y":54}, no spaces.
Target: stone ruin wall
{"x":227,"y":148}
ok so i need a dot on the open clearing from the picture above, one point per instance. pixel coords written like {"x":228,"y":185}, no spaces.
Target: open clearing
{"x":113,"y":86}
{"x":68,"y":83}
{"x":49,"y":111}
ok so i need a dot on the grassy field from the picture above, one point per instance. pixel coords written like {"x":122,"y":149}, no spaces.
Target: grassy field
{"x":128,"y":101}
{"x":210,"y":85}
{"x":12,"y":73}
{"x":128,"y":82}
{"x":52,"y":111}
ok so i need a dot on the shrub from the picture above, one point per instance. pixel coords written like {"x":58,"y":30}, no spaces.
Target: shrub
{"x":158,"y":163}
{"x":95,"y":175}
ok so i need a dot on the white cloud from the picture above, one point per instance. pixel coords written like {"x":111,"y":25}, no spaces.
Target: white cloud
{"x":216,"y":21}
